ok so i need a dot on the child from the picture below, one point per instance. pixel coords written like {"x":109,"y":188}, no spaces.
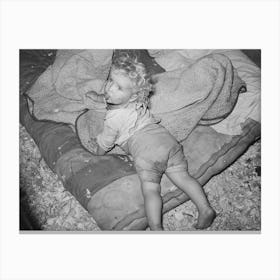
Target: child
{"x":129,"y":124}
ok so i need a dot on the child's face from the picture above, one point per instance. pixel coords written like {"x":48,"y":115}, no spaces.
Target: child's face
{"x":119,"y":88}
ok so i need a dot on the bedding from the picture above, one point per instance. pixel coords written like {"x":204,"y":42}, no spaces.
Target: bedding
{"x":116,"y":203}
{"x":247,"y":70}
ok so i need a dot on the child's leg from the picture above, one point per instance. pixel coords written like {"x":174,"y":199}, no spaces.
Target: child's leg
{"x":153,"y":204}
{"x":193,"y":189}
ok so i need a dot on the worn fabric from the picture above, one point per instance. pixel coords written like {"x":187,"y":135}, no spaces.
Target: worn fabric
{"x":203,"y":92}
{"x":155,"y":151}
{"x":247,"y":105}
{"x":120,"y":124}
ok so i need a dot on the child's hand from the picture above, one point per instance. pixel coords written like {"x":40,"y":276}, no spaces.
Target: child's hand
{"x":92,"y":145}
{"x":95,"y":101}
{"x":94,"y":148}
{"x":93,"y":95}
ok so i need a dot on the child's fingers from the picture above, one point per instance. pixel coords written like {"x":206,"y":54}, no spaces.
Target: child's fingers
{"x":91,"y":94}
{"x":92,"y":145}
{"x":93,"y":101}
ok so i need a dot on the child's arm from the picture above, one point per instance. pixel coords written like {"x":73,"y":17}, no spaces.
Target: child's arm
{"x":105,"y":141}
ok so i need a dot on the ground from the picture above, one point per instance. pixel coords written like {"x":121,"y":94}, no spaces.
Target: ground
{"x":235,"y":194}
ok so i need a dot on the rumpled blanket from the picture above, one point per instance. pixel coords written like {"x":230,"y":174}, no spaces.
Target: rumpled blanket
{"x":59,"y":94}
{"x":201,"y":92}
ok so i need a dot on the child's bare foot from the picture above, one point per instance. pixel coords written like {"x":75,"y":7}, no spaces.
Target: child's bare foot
{"x":205,"y":218}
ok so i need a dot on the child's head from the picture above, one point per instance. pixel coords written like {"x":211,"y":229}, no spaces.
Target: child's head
{"x":128,"y":82}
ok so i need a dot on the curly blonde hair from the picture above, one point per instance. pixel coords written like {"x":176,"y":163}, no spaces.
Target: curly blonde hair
{"x":136,"y":71}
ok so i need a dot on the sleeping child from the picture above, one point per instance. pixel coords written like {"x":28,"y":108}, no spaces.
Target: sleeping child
{"x":130,"y":125}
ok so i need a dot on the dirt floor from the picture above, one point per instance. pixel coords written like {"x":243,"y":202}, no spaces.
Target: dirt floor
{"x":235,"y":194}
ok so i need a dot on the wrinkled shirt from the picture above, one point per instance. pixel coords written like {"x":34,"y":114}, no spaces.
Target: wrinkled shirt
{"x":120,"y":124}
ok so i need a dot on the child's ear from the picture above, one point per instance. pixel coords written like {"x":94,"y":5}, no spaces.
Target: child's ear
{"x":153,"y":81}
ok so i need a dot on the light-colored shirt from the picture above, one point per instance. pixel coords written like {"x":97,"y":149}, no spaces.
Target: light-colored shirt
{"x":120,"y":124}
